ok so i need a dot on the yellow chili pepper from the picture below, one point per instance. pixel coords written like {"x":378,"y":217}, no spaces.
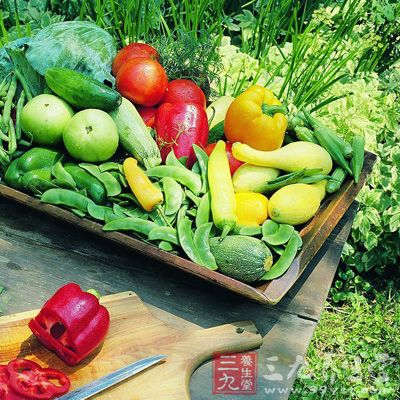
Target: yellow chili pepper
{"x":223,"y":204}
{"x":251,"y":208}
{"x":257,"y":118}
{"x":147,"y":194}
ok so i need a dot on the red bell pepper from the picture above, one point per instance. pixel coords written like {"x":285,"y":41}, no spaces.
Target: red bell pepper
{"x":179,"y":126}
{"x":72,"y":323}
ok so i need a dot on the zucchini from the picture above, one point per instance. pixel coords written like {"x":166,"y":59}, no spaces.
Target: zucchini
{"x":217,"y":132}
{"x":241,"y":257}
{"x":80,"y":90}
{"x":134,"y":135}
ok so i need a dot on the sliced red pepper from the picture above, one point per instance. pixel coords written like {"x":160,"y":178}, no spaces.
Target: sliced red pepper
{"x":72,"y":323}
{"x":6,"y":391}
{"x":31,"y":380}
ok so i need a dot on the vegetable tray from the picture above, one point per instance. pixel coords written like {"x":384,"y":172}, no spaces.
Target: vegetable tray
{"x":314,"y":234}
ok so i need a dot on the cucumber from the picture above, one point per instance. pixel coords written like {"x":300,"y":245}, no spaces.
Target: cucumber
{"x":81,"y":91}
{"x":241,"y":257}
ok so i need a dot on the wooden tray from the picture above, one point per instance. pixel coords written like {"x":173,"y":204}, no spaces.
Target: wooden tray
{"x":135,"y":333}
{"x":314,"y":235}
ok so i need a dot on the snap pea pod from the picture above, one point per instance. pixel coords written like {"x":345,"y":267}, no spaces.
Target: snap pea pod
{"x":184,"y":176}
{"x":192,"y":212}
{"x":78,"y":213}
{"x":202,"y":244}
{"x":173,"y":195}
{"x":284,"y":261}
{"x":281,"y":236}
{"x":12,"y":144}
{"x":277,"y":249}
{"x":111,"y":166}
{"x":202,"y":159}
{"x":190,"y":195}
{"x":120,"y":177}
{"x":314,"y":178}
{"x":111,"y":184}
{"x":357,"y":161}
{"x":185,"y":235}
{"x":166,"y":246}
{"x":62,"y":183}
{"x":164,"y":233}
{"x":19,"y":107}
{"x":67,"y":198}
{"x":204,"y":210}
{"x":269,"y":227}
{"x":9,"y":100}
{"x":110,"y":216}
{"x":98,"y":212}
{"x":130,"y":224}
{"x":135,"y":212}
{"x":172,"y":161}
{"x":118,"y":210}
{"x":59,"y":172}
{"x":247,"y":230}
{"x":196,"y":168}
{"x":39,"y":186}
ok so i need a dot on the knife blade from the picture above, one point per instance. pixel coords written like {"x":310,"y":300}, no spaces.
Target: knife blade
{"x":103,"y":383}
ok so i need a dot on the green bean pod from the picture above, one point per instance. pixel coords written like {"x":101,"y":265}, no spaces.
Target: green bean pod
{"x":12,"y":143}
{"x":173,"y":195}
{"x":182,"y":175}
{"x":137,"y":225}
{"x":357,"y":161}
{"x":164,"y":233}
{"x":185,"y":235}
{"x":202,"y":159}
{"x":284,"y":261}
{"x":67,"y":198}
{"x":9,"y":101}
{"x":202,"y":244}
{"x":203,"y":210}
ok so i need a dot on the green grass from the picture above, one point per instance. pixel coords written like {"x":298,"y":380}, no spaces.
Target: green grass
{"x":355,"y":352}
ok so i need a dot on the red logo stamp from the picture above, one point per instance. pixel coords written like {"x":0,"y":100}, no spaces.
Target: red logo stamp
{"x":235,"y":373}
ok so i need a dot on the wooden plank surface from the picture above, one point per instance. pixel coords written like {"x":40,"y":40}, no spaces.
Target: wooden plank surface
{"x":38,"y":255}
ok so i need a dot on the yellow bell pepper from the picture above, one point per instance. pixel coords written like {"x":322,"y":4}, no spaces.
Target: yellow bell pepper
{"x":223,"y":205}
{"x":257,"y":118}
{"x":147,"y":194}
{"x":251,"y":208}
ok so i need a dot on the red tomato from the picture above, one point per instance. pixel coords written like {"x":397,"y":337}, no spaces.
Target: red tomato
{"x":184,"y":91}
{"x":148,"y":115}
{"x":31,"y":380}
{"x":233,"y":163}
{"x":133,"y":50}
{"x":143,"y":81}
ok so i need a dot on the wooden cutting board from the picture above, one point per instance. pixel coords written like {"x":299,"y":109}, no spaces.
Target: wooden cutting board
{"x":135,"y":333}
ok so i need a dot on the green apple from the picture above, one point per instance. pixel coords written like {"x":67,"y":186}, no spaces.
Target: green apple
{"x":91,"y":136}
{"x":45,"y":117}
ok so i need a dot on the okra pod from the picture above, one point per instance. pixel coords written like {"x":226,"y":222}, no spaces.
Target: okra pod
{"x":305,"y":134}
{"x":337,"y":178}
{"x":357,"y":161}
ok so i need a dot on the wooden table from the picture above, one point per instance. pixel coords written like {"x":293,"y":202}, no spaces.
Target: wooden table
{"x":39,"y":254}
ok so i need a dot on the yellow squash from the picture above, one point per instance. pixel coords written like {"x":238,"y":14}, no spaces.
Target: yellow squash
{"x":251,"y":209}
{"x":292,"y":157}
{"x":296,"y":204}
{"x":252,"y":178}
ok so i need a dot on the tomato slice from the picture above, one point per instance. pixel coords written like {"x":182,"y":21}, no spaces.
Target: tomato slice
{"x":31,"y":380}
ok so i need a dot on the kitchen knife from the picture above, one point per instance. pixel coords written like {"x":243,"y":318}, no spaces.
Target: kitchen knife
{"x":97,"y":386}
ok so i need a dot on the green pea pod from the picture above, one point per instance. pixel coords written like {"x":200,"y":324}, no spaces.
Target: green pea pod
{"x":135,"y":212}
{"x":284,"y":261}
{"x":111,"y":184}
{"x":67,"y":198}
{"x":78,"y":213}
{"x":98,"y":212}
{"x":110,"y":216}
{"x":190,"y":195}
{"x":196,"y":168}
{"x":172,"y":161}
{"x":110,"y":166}
{"x":204,"y":210}
{"x":118,"y":210}
{"x":202,"y":159}
{"x":247,"y":230}
{"x":166,"y":246}
{"x":173,"y":194}
{"x":192,"y":212}
{"x":164,"y":233}
{"x":130,"y":224}
{"x":281,"y":236}
{"x":185,"y":235}
{"x":277,"y":249}
{"x":269,"y":227}
{"x":202,"y":244}
{"x":61,"y":183}
{"x":182,"y":175}
{"x":39,"y":185}
{"x":59,"y":172}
